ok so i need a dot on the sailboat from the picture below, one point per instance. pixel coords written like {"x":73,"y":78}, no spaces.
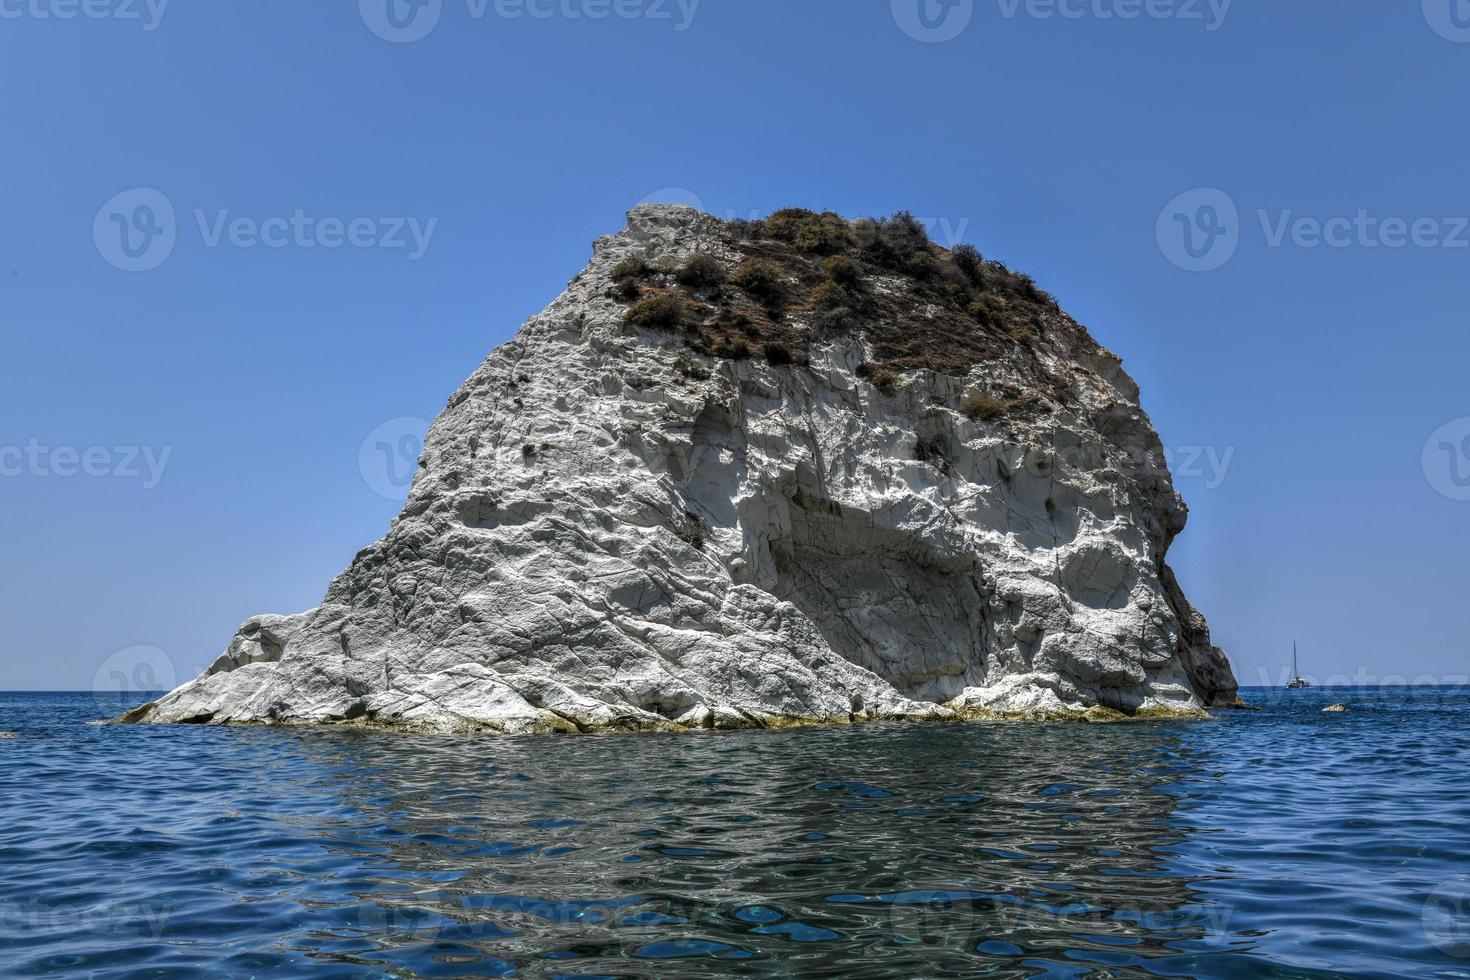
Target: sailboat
{"x":1297,"y":680}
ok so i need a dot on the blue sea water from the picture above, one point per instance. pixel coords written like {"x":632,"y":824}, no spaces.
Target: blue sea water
{"x":1280,"y":842}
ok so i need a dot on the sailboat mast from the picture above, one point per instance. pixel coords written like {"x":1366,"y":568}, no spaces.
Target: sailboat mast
{"x":1294,"y":672}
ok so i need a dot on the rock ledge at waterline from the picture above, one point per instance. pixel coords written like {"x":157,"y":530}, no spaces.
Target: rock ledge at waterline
{"x":836,"y":474}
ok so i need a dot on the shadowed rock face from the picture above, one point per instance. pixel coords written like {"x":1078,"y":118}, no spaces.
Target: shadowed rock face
{"x":614,"y":526}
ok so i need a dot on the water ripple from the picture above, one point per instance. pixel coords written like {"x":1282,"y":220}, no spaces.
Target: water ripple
{"x":1282,"y":842}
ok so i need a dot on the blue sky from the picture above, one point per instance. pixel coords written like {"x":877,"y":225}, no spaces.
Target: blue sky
{"x":1299,"y":384}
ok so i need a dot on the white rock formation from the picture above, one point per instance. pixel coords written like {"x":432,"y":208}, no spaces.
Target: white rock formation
{"x":611,"y":530}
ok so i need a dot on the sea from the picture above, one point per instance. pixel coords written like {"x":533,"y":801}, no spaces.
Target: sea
{"x":1275,"y":842}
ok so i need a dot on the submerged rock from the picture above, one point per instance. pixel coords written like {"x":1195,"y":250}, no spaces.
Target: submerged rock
{"x":758,"y":474}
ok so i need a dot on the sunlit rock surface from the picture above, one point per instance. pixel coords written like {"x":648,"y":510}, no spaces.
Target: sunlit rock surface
{"x":615,"y":527}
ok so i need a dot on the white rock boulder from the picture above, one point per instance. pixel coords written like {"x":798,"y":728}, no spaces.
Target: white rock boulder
{"x":612,"y":527}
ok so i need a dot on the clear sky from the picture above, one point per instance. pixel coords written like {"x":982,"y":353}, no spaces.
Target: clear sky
{"x":220,"y":396}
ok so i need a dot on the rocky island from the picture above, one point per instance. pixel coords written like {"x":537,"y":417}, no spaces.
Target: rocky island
{"x":754,"y":474}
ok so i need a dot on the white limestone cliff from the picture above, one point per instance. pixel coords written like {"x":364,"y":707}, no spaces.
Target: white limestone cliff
{"x":611,"y":529}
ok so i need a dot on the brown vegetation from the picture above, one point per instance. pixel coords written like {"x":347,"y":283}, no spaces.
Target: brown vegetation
{"x":664,"y":310}
{"x":805,"y":276}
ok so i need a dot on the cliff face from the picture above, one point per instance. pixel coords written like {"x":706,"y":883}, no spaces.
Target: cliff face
{"x":760,"y":474}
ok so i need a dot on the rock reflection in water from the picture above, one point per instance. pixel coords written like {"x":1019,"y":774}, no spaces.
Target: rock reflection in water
{"x":936,"y":849}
